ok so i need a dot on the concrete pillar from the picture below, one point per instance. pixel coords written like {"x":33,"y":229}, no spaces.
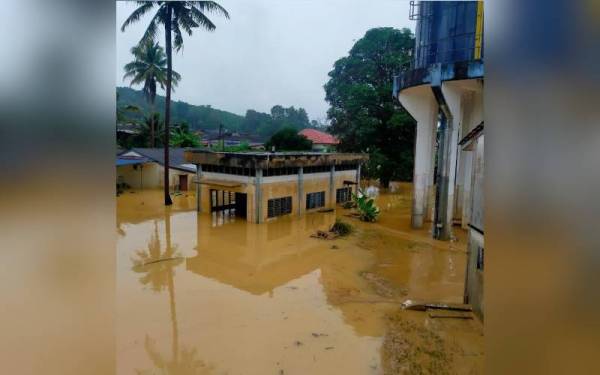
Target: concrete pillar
{"x":300,"y":189}
{"x":430,"y":195}
{"x":258,"y":195}
{"x":332,"y":187}
{"x":198,"y":188}
{"x":357,"y":178}
{"x":460,"y":181}
{"x":421,"y":174}
{"x":421,"y":104}
{"x":441,"y":229}
{"x":453,"y":96}
{"x":466,"y":195}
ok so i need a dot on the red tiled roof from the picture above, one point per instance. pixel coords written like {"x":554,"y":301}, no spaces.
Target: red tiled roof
{"x":319,"y":137}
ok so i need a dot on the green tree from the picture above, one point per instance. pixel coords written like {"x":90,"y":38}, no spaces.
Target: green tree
{"x":149,"y":130}
{"x":288,"y":139}
{"x":181,"y":136}
{"x":363,"y":113}
{"x":175,"y":16}
{"x":149,"y":68}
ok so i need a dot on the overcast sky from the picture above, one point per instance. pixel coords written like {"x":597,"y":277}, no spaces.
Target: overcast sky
{"x":270,"y":51}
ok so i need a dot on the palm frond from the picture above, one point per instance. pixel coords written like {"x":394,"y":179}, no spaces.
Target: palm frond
{"x":210,"y":7}
{"x":178,"y":39}
{"x":201,"y":19}
{"x":145,"y":7}
{"x":150,"y":33}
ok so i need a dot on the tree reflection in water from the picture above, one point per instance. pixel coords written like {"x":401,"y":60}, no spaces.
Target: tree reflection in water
{"x":158,"y":269}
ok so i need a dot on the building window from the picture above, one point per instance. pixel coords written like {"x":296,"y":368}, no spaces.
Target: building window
{"x":480,"y":258}
{"x":343,"y":195}
{"x":279,"y":206}
{"x":346,"y":167}
{"x":317,"y":169}
{"x":315,"y":200}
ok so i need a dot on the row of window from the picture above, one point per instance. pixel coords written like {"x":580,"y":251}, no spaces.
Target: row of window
{"x":273,"y":171}
{"x":283,"y":206}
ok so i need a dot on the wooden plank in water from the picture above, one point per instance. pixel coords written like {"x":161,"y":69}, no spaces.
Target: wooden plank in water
{"x":424,"y":305}
{"x":434,"y":313}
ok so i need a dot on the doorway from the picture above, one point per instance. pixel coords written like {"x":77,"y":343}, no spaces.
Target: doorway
{"x":241,"y":201}
{"x":183,"y":182}
{"x":228,"y":202}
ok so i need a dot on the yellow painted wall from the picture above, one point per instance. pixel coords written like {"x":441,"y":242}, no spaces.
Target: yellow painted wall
{"x":282,"y":186}
{"x":151,"y":176}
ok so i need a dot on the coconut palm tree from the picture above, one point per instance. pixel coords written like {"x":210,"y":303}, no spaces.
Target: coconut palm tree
{"x":176,"y":17}
{"x":150,"y":127}
{"x":149,"y":68}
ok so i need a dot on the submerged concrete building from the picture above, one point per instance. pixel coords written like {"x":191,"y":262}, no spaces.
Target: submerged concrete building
{"x":261,"y":186}
{"x":443,"y":91}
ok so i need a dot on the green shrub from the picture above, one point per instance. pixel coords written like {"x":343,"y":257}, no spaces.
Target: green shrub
{"x":367,"y":209}
{"x":340,"y":227}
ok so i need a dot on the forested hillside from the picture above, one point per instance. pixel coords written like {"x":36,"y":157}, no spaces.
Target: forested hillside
{"x":207,"y":118}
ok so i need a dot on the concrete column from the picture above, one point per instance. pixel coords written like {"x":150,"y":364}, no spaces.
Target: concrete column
{"x":466,"y":195}
{"x":357,"y":178}
{"x":198,"y":188}
{"x":332,"y":187}
{"x":453,"y":96}
{"x":421,"y":104}
{"x":421,"y":174}
{"x":300,"y":189}
{"x":430,"y":194}
{"x":258,"y":195}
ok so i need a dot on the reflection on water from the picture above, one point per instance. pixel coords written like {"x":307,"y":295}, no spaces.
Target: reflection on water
{"x":267,"y":299}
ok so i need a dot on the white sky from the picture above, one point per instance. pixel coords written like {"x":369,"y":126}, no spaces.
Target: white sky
{"x":270,"y":51}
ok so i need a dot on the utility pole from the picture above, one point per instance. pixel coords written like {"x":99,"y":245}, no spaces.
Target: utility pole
{"x":221,"y":139}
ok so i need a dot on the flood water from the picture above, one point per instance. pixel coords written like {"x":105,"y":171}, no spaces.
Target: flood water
{"x":207,"y":294}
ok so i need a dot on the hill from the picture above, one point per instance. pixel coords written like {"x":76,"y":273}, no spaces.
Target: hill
{"x":197,"y":116}
{"x":204,"y":117}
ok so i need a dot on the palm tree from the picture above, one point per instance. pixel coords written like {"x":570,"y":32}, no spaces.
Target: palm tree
{"x":149,"y":68}
{"x":175,"y":16}
{"x":148,"y":126}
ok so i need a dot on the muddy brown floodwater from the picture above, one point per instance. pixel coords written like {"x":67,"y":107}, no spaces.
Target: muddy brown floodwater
{"x":207,"y":294}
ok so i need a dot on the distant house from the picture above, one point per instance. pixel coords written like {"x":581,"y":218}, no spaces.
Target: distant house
{"x":321,"y":141}
{"x":143,"y":168}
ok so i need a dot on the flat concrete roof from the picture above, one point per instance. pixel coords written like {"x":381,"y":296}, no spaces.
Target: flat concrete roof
{"x":266,"y":160}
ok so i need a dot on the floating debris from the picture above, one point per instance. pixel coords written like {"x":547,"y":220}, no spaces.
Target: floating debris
{"x":325,"y":235}
{"x":422,"y":306}
{"x":434,"y":314}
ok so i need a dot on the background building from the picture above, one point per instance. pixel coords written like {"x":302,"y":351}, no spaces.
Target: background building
{"x":323,"y":142}
{"x":143,"y":168}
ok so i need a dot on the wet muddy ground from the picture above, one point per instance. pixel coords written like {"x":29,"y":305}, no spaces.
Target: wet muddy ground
{"x":212,"y":294}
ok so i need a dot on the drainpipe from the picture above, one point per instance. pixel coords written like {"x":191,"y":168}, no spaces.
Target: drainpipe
{"x":442,"y":229}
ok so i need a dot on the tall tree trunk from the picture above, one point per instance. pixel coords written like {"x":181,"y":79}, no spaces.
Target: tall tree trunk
{"x":168,"y":25}
{"x":152,"y":135}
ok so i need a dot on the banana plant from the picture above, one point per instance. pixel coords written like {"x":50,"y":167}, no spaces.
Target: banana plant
{"x":366,"y":207}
